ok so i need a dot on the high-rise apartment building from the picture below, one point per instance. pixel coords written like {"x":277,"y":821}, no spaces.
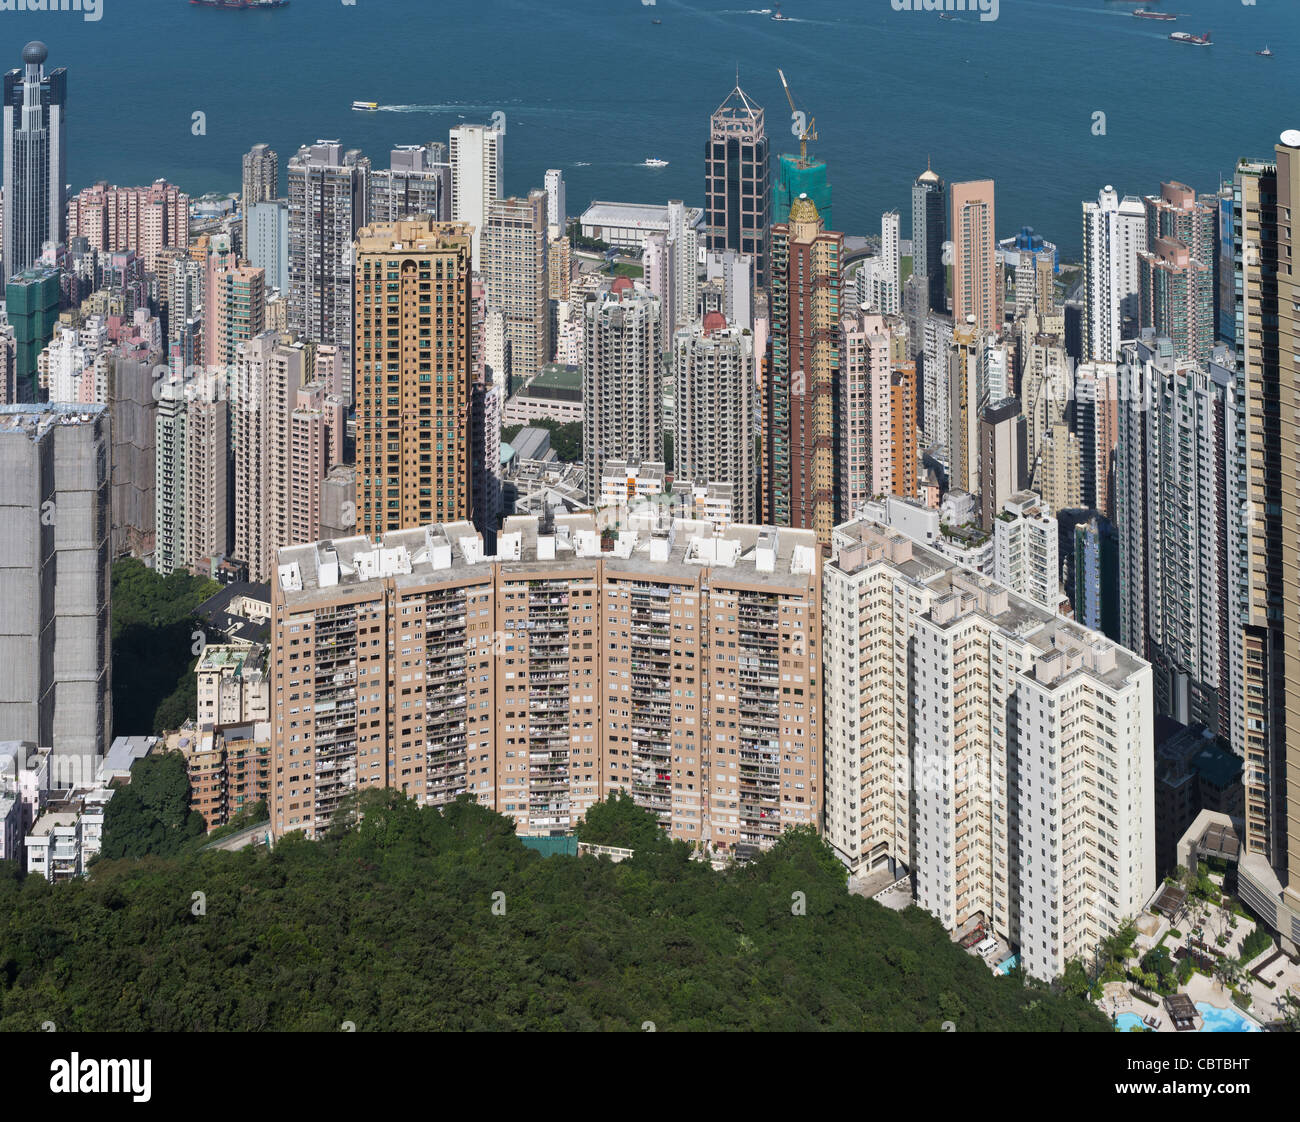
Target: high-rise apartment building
{"x":557,"y":215}
{"x":999,"y":753}
{"x":1026,"y":549}
{"x":238,"y":298}
{"x":516,"y":693}
{"x":713,"y":374}
{"x":964,"y":409}
{"x":271,"y":370}
{"x":32,"y":308}
{"x":1002,"y":457}
{"x":55,"y":480}
{"x":477,"y":176}
{"x":1265,"y":568}
{"x":414,"y":348}
{"x":267,"y":241}
{"x":1114,"y":233}
{"x":904,"y":464}
{"x":622,"y":392}
{"x":1170,"y":512}
{"x":35,"y":159}
{"x":1177,"y":294}
{"x":737,"y":190}
{"x":260,"y":183}
{"x":865,"y":410}
{"x":145,"y":219}
{"x":936,"y":345}
{"x":976,"y":287}
{"x":928,"y":230}
{"x":416,"y":184}
{"x":805,"y":318}
{"x":515,"y":269}
{"x":329,"y":195}
{"x":1096,"y":422}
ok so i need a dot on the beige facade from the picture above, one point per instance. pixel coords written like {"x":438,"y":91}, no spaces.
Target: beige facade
{"x":976,"y":283}
{"x":515,"y":267}
{"x":414,"y":358}
{"x":683,"y":669}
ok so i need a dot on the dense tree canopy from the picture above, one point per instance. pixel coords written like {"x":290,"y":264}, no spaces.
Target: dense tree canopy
{"x":153,"y":625}
{"x":419,"y":919}
{"x":151,"y":814}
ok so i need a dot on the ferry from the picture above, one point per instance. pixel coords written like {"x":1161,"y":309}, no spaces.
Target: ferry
{"x":655,"y":162}
{"x":368,"y":106}
{"x":1146,"y":13}
{"x":1194,"y":40}
{"x":258,"y":5}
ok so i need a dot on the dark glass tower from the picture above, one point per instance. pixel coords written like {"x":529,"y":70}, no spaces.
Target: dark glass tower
{"x":35,"y":160}
{"x":928,"y":236}
{"x":736,"y":188}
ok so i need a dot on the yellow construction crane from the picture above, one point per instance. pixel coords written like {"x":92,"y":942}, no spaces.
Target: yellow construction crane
{"x":803,"y":128}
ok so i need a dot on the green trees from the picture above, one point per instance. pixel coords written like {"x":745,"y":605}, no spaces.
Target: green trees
{"x":413,"y":919}
{"x":151,"y":814}
{"x":619,"y":821}
{"x":153,"y":627}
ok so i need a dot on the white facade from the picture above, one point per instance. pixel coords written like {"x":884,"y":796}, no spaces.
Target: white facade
{"x":556,"y":214}
{"x":476,"y":153}
{"x":1114,"y":233}
{"x":1026,"y":549}
{"x":1002,"y":754}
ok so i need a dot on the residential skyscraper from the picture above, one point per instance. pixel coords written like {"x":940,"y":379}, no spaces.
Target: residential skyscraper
{"x":477,"y":153}
{"x":976,"y":290}
{"x":267,"y":247}
{"x":1171,"y":507}
{"x":1002,"y":458}
{"x":714,"y":390}
{"x":622,"y":392}
{"x":928,"y":230}
{"x":556,"y":213}
{"x":413,"y":379}
{"x":805,"y":317}
{"x":964,"y":409}
{"x":515,"y":268}
{"x":35,"y":159}
{"x":329,"y":193}
{"x":543,"y":724}
{"x":260,"y":184}
{"x":955,"y":762}
{"x":145,"y":219}
{"x":1114,"y":233}
{"x":737,"y":188}
{"x":865,"y":409}
{"x":55,"y":480}
{"x":416,"y":184}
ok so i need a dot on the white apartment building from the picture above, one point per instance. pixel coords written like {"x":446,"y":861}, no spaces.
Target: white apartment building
{"x":1026,"y":550}
{"x":1114,"y":233}
{"x":1001,"y":754}
{"x":476,"y":153}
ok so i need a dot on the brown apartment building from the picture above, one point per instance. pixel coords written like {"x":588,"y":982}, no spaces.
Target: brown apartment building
{"x":683,"y":669}
{"x":413,"y":357}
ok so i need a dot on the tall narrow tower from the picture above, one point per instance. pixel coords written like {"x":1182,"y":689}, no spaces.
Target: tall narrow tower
{"x":928,"y":229}
{"x":35,"y":159}
{"x":975,"y":288}
{"x":736,"y":187}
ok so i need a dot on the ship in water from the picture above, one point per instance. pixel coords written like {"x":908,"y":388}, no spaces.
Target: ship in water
{"x":1146,"y":13}
{"x":779,"y":17}
{"x":243,"y":5}
{"x":1194,"y":40}
{"x":1265,"y":53}
{"x":367,"y":106}
{"x":655,"y":162}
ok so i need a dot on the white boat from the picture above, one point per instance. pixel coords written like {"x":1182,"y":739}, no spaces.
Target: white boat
{"x":654,"y":162}
{"x":365,"y":105}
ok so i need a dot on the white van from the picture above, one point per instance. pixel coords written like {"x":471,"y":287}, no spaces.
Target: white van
{"x":987,"y":947}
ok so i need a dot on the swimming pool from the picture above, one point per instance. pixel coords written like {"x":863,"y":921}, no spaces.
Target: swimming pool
{"x":1008,"y":965}
{"x":1224,"y":1020}
{"x":1125,"y":1022}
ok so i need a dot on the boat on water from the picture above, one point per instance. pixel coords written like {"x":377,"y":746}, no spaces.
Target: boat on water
{"x":367,"y":106}
{"x":1147,"y":13}
{"x":946,"y":15}
{"x":776,"y":15}
{"x":243,"y":5}
{"x":655,"y":162}
{"x":1194,"y":40}
{"x":656,"y":21}
{"x":1265,"y":53}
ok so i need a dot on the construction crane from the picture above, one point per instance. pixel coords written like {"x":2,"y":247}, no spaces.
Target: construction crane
{"x":804,"y":132}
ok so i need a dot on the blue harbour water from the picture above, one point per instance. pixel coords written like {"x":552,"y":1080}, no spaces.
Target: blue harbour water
{"x":594,"y":87}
